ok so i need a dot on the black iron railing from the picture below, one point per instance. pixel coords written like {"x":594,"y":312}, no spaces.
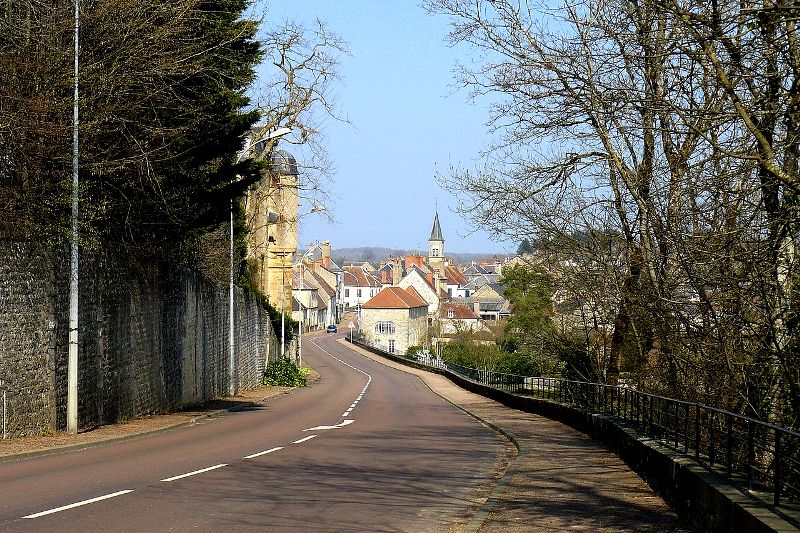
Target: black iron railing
{"x":763,"y":456}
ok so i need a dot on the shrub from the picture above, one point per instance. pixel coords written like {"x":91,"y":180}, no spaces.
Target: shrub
{"x":282,"y":372}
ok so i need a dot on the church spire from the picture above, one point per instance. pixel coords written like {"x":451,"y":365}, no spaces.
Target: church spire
{"x":436,"y":232}
{"x":436,"y":244}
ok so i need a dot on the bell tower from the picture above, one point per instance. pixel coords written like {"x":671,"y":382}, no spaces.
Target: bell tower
{"x":436,"y":244}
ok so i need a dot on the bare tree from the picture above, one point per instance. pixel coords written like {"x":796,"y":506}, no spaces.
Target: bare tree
{"x":649,"y":123}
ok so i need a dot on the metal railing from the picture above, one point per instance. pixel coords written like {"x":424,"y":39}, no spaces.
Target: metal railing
{"x":762,"y":456}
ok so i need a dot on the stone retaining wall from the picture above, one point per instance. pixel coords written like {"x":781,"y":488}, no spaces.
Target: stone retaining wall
{"x":153,"y":338}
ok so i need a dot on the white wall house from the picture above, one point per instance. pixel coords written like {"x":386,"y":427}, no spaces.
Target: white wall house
{"x":395,"y":319}
{"x":358,"y":286}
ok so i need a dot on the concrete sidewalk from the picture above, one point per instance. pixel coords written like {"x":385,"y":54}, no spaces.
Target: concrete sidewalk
{"x":561,"y":480}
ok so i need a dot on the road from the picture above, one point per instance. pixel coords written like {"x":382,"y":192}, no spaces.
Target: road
{"x":366,"y":448}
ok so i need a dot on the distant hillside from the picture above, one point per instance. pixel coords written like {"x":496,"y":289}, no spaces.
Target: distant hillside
{"x":374,"y":254}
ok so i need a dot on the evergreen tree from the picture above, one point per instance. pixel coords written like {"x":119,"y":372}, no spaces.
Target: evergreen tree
{"x":525,"y":247}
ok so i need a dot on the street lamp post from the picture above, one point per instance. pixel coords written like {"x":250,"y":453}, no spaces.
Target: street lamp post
{"x":72,"y":356}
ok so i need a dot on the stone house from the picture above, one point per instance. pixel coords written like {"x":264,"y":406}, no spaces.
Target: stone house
{"x":395,"y":319}
{"x":423,"y":284}
{"x":458,"y":317}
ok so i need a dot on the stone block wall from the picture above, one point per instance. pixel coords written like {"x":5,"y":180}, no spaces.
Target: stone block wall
{"x":152,"y":338}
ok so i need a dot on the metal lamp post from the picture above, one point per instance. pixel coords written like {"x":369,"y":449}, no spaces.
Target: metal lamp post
{"x":72,"y":359}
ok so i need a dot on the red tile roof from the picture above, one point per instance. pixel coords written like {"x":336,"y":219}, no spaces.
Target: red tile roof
{"x":395,"y":298}
{"x":460,"y":311}
{"x":454,"y":276}
{"x":355,"y":276}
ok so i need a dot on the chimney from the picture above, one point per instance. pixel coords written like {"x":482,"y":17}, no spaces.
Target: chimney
{"x":476,"y":307}
{"x":438,"y":286}
{"x":397,"y":271}
{"x":383,"y":276}
{"x":430,"y":279}
{"x":326,"y":254}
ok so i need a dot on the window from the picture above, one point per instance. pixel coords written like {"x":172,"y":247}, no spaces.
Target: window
{"x":450,"y":292}
{"x":450,"y":313}
{"x":358,"y":293}
{"x":347,"y":293}
{"x":434,"y":252}
{"x":391,"y":346}
{"x":384,"y":327}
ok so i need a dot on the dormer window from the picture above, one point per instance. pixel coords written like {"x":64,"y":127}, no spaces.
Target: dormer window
{"x":450,"y":313}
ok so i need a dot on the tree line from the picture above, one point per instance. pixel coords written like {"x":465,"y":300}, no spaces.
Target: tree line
{"x":650,"y":149}
{"x":169,"y":90}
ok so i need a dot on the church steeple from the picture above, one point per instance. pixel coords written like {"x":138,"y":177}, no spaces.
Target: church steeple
{"x":436,"y":242}
{"x":436,"y":232}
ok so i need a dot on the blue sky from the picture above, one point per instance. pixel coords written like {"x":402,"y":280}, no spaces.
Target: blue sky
{"x":397,"y":92}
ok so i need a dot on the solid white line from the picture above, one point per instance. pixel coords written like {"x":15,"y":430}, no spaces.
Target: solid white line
{"x":259,"y":454}
{"x":78,"y":504}
{"x":304,"y":439}
{"x":173,"y":478}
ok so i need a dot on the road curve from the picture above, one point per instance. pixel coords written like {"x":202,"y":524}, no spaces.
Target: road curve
{"x":366,"y":448}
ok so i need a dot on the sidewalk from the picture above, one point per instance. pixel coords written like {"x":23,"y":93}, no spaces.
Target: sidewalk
{"x":562,"y":480}
{"x":18,"y":448}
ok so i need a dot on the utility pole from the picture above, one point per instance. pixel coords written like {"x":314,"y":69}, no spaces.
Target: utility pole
{"x":72,"y":363}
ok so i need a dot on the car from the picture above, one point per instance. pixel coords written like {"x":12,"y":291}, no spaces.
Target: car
{"x":331,"y":328}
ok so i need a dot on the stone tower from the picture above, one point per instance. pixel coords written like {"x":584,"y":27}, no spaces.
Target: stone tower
{"x":436,"y":244}
{"x":273,"y":231}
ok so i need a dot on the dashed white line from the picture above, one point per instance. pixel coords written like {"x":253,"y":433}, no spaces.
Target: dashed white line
{"x":173,"y":478}
{"x":304,"y":439}
{"x":265,"y":452}
{"x":78,"y":504}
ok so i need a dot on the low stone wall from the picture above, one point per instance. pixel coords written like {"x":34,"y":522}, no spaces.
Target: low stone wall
{"x":152,"y":338}
{"x":708,"y":501}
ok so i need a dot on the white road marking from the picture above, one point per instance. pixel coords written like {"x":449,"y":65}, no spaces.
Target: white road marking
{"x":78,"y":504}
{"x":304,"y":439}
{"x":173,"y":478}
{"x":337,"y":426}
{"x":259,"y":454}
{"x":366,"y":386}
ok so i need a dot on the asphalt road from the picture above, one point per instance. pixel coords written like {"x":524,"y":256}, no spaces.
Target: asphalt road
{"x":366,"y":448}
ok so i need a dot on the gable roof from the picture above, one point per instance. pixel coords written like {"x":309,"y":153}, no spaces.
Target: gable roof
{"x":321,"y":284}
{"x":395,"y":298}
{"x":355,"y":276}
{"x":454,"y":276}
{"x":483,"y":279}
{"x":460,"y":311}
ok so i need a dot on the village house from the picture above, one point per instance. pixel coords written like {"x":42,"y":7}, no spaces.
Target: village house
{"x":394,"y":319}
{"x":424,"y":285}
{"x":358,"y":286}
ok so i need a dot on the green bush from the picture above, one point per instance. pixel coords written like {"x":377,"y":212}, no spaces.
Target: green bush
{"x":282,"y":372}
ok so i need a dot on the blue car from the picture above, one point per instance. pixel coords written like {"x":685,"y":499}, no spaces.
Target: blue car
{"x":331,"y":328}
